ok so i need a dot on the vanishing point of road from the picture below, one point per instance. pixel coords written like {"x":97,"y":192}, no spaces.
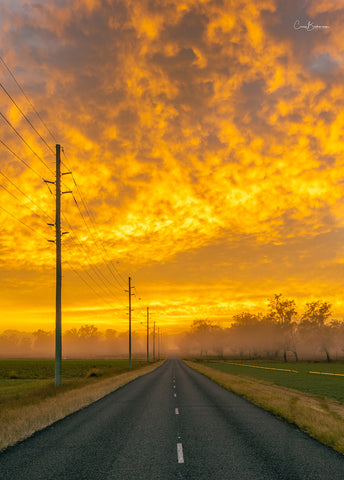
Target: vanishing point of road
{"x":172,"y":423}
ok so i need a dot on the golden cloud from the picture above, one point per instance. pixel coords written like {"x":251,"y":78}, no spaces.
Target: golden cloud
{"x":185,"y":124}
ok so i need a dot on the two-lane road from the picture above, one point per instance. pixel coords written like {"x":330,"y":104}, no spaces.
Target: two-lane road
{"x":172,"y":423}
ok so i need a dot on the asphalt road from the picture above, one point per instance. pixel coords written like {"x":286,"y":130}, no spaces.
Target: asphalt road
{"x":172,"y":423}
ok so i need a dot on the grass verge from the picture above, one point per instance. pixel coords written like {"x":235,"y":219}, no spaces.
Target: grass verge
{"x":29,"y":381}
{"x":320,"y":417}
{"x":320,"y":379}
{"x":20,"y":422}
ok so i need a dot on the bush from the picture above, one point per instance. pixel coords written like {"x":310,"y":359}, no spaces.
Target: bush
{"x":94,"y":372}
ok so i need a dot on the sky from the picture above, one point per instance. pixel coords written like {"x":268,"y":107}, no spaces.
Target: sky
{"x":206,"y":144}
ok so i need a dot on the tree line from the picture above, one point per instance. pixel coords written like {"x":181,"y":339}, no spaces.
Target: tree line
{"x":282,"y":332}
{"x":86,"y":341}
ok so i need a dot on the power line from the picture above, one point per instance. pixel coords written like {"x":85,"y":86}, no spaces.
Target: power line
{"x":92,"y":221}
{"x":23,"y":193}
{"x":25,"y":142}
{"x":27,"y":98}
{"x":20,"y":221}
{"x":84,"y":220}
{"x":90,"y":286}
{"x":26,"y":118}
{"x":14,"y":196}
{"x":21,"y":160}
{"x":47,"y":166}
{"x":35,"y":153}
{"x":103,"y":286}
{"x":92,"y":265}
{"x":99,"y":240}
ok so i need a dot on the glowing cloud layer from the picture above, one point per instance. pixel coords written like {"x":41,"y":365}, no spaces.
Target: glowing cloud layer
{"x":206,"y":130}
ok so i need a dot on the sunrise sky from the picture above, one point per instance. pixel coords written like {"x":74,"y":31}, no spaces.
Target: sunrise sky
{"x":207,"y":142}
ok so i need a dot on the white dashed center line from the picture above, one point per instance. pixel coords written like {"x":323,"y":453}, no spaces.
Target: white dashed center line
{"x":175,"y":395}
{"x":180,"y":453}
{"x":176,"y":410}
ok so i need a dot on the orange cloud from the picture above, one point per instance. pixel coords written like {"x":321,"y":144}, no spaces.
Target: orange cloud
{"x":187,"y":126}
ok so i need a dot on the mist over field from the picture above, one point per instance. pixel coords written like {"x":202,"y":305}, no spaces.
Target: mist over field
{"x":280,"y":333}
{"x":85,"y":342}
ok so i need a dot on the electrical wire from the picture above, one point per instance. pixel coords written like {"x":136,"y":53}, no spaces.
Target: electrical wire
{"x":26,"y":118}
{"x":89,"y":286}
{"x":100,"y":275}
{"x":27,"y":98}
{"x":23,"y":193}
{"x":26,"y":206}
{"x":21,"y":160}
{"x":45,"y":164}
{"x":84,"y":220}
{"x":92,"y":222}
{"x":93,"y":266}
{"x":20,"y":221}
{"x":25,"y":142}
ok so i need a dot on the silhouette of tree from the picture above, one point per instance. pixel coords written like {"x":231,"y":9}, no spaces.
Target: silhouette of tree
{"x":315,"y":326}
{"x":317,"y":312}
{"x":88,"y":332}
{"x":43,"y":342}
{"x":283,"y":310}
{"x":245,"y":333}
{"x":204,"y":333}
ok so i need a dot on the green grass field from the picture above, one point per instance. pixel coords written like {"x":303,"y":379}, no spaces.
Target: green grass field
{"x":27,"y":381}
{"x":330,"y":386}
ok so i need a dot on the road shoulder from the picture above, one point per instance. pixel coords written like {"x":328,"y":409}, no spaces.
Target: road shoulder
{"x":20,"y":423}
{"x":321,"y":418}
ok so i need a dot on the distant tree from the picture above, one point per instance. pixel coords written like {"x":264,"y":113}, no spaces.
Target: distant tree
{"x":88,"y":331}
{"x":245,"y":319}
{"x":110,"y":333}
{"x":283,"y":311}
{"x":72,"y":333}
{"x":11,"y":343}
{"x":315,"y":326}
{"x":254,"y":334}
{"x":43,"y":342}
{"x":245,"y":333}
{"x":82,"y":341}
{"x":204,"y":333}
{"x":317,"y":312}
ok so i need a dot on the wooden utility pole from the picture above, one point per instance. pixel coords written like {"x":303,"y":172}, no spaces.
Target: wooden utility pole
{"x":158,"y":343}
{"x":129,"y":323}
{"x":57,"y":241}
{"x":147,"y":334}
{"x":154,"y":342}
{"x":58,"y":329}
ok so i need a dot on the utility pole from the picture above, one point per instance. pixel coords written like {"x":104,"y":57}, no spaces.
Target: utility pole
{"x":130,"y":294}
{"x":147,"y":334}
{"x":57,"y":241}
{"x":154,"y":342}
{"x":161,"y":346}
{"x":58,"y":328}
{"x":158,"y":343}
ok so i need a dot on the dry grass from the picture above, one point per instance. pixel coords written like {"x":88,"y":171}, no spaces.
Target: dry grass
{"x":321,"y":418}
{"x":16,"y":424}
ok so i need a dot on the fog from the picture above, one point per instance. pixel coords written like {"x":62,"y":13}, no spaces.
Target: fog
{"x":85,"y":342}
{"x":279,"y":333}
